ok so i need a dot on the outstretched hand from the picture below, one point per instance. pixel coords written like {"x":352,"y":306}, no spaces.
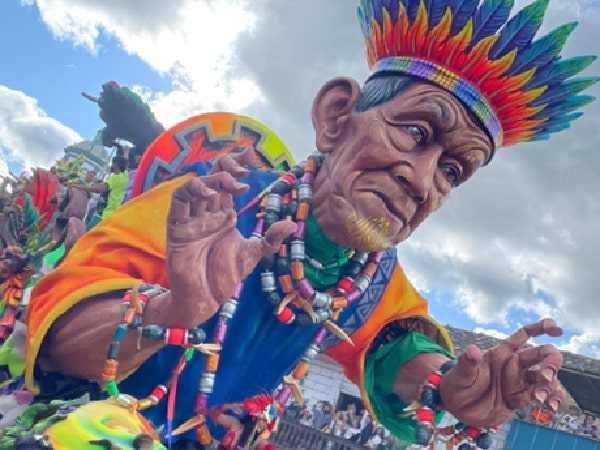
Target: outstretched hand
{"x":207,"y":257}
{"x":485,"y":388}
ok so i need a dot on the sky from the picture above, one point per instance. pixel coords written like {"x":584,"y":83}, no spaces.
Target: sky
{"x":518,"y":242}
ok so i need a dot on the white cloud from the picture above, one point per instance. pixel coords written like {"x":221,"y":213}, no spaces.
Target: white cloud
{"x":520,"y":237}
{"x":494,"y":333}
{"x":27,"y":135}
{"x":191,"y":41}
{"x":585,"y":343}
{"x":3,"y":167}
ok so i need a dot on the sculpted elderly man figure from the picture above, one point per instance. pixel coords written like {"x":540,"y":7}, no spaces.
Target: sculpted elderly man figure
{"x":263,"y":277}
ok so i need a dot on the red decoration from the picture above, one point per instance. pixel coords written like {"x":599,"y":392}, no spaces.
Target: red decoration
{"x":345,"y":284}
{"x":424,"y":414}
{"x":286,"y":316}
{"x":176,"y":336}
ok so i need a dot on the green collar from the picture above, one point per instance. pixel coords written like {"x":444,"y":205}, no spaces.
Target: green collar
{"x":325,"y":260}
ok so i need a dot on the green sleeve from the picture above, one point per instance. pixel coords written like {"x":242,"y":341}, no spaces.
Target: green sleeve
{"x":381,"y":369}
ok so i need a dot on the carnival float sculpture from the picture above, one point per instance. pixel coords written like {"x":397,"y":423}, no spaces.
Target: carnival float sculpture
{"x":218,"y":281}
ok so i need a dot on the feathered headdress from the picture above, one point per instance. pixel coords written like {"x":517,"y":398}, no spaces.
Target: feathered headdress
{"x":520,"y":89}
{"x":263,"y":406}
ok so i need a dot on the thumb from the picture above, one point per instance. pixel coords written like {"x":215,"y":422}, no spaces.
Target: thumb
{"x":276,"y":234}
{"x":466,"y":371}
{"x":253,"y":249}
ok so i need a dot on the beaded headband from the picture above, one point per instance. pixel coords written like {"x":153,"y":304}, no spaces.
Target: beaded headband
{"x":520,"y":89}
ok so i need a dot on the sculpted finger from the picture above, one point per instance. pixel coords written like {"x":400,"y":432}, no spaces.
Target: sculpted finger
{"x":235,"y":163}
{"x":227,"y":163}
{"x":225,"y":182}
{"x":276,"y":234}
{"x":547,"y":356}
{"x":193,"y":191}
{"x":253,"y":249}
{"x":544,"y":326}
{"x":225,"y":185}
{"x":556,"y":397}
{"x":466,"y":371}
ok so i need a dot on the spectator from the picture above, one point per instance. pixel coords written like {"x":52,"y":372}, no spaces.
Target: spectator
{"x":589,"y":427}
{"x":367,"y":430}
{"x":90,"y":178}
{"x":323,"y":416}
{"x":375,"y":439}
{"x":306,"y":418}
{"x":113,"y":190}
{"x":352,"y":432}
{"x":570,"y":420}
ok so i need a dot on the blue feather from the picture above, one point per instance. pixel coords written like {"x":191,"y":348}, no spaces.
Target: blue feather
{"x":520,"y":30}
{"x":394,"y":10}
{"x":412,"y":7}
{"x":435,"y":11}
{"x":559,"y":120}
{"x":556,"y":129}
{"x":566,"y":89}
{"x":564,"y":107}
{"x":377,"y":7}
{"x":490,"y":16}
{"x":542,"y":51}
{"x":539,"y":137}
{"x":462,"y":11}
{"x":556,"y":72}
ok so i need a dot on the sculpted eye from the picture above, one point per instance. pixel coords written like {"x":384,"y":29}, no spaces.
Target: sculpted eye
{"x":452,"y":173}
{"x":418,"y":133}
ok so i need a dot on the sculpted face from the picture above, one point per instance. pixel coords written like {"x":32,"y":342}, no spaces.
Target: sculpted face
{"x":391,"y":166}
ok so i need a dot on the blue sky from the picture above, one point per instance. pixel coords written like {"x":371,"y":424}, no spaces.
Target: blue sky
{"x":55,"y":72}
{"x":190,"y":59}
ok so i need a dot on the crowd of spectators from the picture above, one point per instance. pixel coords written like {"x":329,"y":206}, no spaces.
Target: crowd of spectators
{"x":350,"y":423}
{"x":570,"y":420}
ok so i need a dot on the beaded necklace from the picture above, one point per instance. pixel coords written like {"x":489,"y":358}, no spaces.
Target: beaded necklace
{"x":288,"y":198}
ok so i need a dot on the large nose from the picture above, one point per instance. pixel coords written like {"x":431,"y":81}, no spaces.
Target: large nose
{"x":417,"y":170}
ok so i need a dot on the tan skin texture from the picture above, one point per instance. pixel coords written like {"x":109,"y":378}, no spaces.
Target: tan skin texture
{"x":388,"y":167}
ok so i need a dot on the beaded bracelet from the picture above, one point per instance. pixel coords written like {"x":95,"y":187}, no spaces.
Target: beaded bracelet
{"x":430,"y":400}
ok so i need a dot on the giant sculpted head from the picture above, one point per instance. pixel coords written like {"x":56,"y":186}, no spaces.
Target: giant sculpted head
{"x":395,"y":150}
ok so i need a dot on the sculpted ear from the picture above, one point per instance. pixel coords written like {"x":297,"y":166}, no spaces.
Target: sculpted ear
{"x":331,"y":109}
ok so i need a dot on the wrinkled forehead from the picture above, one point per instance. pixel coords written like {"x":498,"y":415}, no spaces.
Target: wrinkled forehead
{"x":443,"y":111}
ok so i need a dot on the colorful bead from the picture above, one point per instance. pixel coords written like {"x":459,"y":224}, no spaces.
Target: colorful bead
{"x":305,"y":289}
{"x":297,"y":250}
{"x":201,"y":403}
{"x":297,"y":270}
{"x":113,"y":350}
{"x":112,"y":389}
{"x":267,"y":280}
{"x":120,"y":332}
{"x":220,"y":332}
{"x":302,"y":211}
{"x":286,"y":316}
{"x":300,"y":230}
{"x":305,"y":193}
{"x":212,"y":362}
{"x":311,"y":351}
{"x":344,"y":285}
{"x":300,"y":370}
{"x":158,"y":393}
{"x":228,"y":309}
{"x":110,"y":370}
{"x":207,"y":383}
{"x":175,"y":336}
{"x":286,"y":284}
{"x":273,"y":202}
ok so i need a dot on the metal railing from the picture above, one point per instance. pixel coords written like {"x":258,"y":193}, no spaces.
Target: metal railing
{"x":293,"y":436}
